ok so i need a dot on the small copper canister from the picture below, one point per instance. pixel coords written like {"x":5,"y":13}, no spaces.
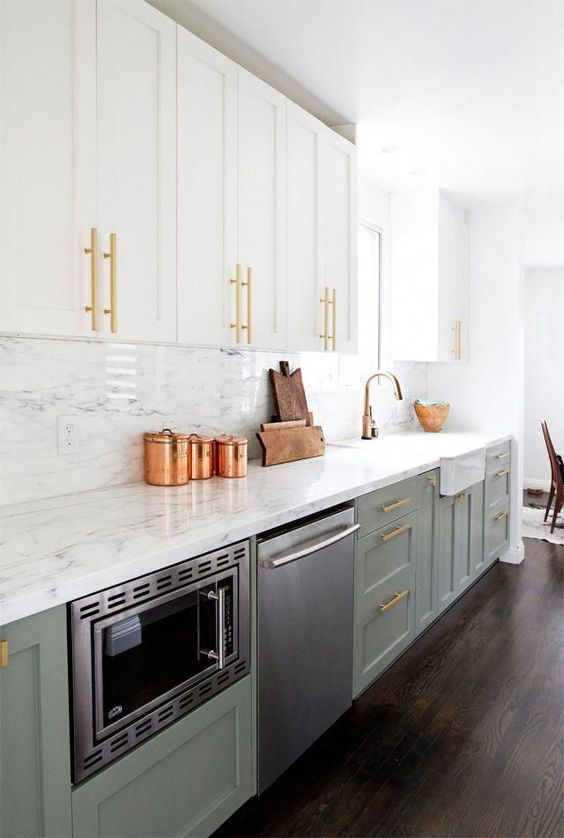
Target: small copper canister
{"x":200,"y":456}
{"x":231,"y":456}
{"x":166,"y":458}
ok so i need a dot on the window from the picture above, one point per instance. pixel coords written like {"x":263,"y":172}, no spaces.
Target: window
{"x":369,"y":265}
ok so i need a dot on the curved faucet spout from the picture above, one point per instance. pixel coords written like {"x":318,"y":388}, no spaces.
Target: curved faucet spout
{"x":369,"y":429}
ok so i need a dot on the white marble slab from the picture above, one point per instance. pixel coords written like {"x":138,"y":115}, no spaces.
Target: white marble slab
{"x":58,"y":549}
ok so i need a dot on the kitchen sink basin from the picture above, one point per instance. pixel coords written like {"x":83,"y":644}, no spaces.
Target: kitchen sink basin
{"x":460,"y":471}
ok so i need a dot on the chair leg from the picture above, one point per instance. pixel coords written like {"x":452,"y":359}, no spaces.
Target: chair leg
{"x":557,"y":507}
{"x":549,"y":504}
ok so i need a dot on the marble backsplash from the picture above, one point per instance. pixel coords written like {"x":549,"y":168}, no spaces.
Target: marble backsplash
{"x":116,"y":391}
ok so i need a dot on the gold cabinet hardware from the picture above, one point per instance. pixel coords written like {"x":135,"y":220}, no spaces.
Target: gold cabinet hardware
{"x":393,"y":601}
{"x":92,"y":251}
{"x":394,"y":533}
{"x":431,"y":478}
{"x":112,"y":310}
{"x":248,"y":284}
{"x":325,"y":303}
{"x":395,"y":505}
{"x":460,"y":340}
{"x":501,"y":516}
{"x":457,"y":329}
{"x":461,"y":497}
{"x":503,"y":473}
{"x":237,"y":283}
{"x":502,"y":456}
{"x":4,"y":654}
{"x":333,"y":302}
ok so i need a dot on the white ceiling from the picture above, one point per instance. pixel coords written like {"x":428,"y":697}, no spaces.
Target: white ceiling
{"x":469,"y":94}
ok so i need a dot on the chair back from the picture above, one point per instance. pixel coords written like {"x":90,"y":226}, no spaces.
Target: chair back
{"x":554,"y":465}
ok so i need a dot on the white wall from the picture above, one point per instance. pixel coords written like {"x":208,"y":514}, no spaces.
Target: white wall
{"x":487,"y":392}
{"x":544,"y":370}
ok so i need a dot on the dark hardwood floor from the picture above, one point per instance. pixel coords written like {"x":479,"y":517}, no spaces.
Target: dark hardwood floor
{"x":462,"y":736}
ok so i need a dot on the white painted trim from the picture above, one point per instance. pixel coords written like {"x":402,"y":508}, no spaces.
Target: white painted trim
{"x":537,"y":483}
{"x":514,"y":555}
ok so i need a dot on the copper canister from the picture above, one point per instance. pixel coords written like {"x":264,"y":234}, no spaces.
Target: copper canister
{"x":231,"y":456}
{"x":166,"y":458}
{"x":201,"y":457}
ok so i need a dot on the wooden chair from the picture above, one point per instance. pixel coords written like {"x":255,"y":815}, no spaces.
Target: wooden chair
{"x":557,"y":478}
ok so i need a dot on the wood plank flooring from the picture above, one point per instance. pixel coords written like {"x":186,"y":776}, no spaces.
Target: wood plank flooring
{"x":463,"y":736}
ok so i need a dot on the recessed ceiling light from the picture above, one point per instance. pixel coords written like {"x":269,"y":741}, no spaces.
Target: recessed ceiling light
{"x":390,"y":149}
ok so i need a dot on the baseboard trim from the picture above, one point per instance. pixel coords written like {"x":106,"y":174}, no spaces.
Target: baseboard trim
{"x":536,"y":483}
{"x":514,"y":555}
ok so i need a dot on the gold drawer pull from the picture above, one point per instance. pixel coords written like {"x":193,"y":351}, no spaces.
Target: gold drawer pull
{"x":502,"y":456}
{"x":501,"y":516}
{"x":237,"y":283}
{"x":112,"y":310}
{"x":394,"y":533}
{"x":249,"y":286}
{"x":431,"y":478}
{"x":325,"y":302}
{"x":333,"y":302}
{"x":393,"y":601}
{"x":4,"y":654}
{"x":395,"y":505}
{"x":461,"y":497}
{"x":503,"y":473}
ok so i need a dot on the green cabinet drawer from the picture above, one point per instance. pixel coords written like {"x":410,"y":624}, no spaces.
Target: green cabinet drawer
{"x":384,"y":598}
{"x":35,"y":780}
{"x":496,"y":536}
{"x":498,"y":486}
{"x":498,"y":457}
{"x":185,"y":781}
{"x":388,"y":504}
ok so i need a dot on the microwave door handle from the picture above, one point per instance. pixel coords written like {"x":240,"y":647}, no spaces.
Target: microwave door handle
{"x":218,"y":656}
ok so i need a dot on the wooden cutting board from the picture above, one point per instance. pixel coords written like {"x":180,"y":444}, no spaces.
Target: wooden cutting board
{"x":290,"y":444}
{"x":289,"y":394}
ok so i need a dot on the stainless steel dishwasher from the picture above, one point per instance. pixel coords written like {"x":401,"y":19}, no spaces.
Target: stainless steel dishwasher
{"x":305,"y":636}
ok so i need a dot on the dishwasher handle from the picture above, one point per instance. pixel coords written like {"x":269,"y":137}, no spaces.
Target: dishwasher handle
{"x":272,"y":564}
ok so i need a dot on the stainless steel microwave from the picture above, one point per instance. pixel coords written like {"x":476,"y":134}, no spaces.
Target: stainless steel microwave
{"x":149,"y":651}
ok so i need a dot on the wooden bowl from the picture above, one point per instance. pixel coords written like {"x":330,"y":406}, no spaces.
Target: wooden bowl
{"x":431,"y":417}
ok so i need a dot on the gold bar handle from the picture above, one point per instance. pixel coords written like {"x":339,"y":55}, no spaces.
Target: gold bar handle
{"x":112,"y":256}
{"x":431,"y":478}
{"x":460,"y":340}
{"x":394,"y":533}
{"x":501,"y":516}
{"x":502,"y":456}
{"x":92,"y":309}
{"x":393,"y":601}
{"x":4,"y":654}
{"x":457,"y":351}
{"x":461,"y":497}
{"x":237,"y":283}
{"x":503,"y":473}
{"x":325,"y":302}
{"x":333,"y":302}
{"x":395,"y":505}
{"x":249,"y":286}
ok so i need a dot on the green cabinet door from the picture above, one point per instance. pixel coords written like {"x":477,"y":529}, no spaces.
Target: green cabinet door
{"x":460,"y":542}
{"x":185,"y":781}
{"x":384,"y":598}
{"x":426,"y":583}
{"x":35,"y":781}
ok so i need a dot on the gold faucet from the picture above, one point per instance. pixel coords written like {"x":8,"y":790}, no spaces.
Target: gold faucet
{"x":369,"y":429}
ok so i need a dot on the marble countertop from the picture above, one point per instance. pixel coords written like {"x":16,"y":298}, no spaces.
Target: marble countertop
{"x":58,"y":549}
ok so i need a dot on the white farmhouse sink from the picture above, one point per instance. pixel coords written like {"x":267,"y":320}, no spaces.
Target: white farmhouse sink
{"x":460,"y":471}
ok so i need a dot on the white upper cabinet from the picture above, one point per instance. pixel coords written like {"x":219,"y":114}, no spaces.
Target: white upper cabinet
{"x":321,"y":230}
{"x":136,"y":96}
{"x":429,"y":265}
{"x":47,"y":164}
{"x":305,"y":311}
{"x":261,"y":214}
{"x":340,"y":240}
{"x":207,"y":192}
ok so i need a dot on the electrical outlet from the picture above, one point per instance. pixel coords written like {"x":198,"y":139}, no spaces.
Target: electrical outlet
{"x":67,"y":434}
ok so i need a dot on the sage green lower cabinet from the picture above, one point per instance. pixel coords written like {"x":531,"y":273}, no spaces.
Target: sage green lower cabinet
{"x":384,"y":597}
{"x":185,"y":781}
{"x":460,"y":542}
{"x":35,"y":779}
{"x":496,"y":534}
{"x":427,"y":565}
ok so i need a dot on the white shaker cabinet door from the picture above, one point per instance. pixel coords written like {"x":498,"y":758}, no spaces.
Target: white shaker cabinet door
{"x":261,"y":212}
{"x":207,"y":192}
{"x":137,"y":167}
{"x":340,"y":241}
{"x":305,"y":313}
{"x":47,"y":164}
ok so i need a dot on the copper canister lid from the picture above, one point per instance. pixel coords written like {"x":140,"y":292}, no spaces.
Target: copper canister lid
{"x":195,"y":438}
{"x":166,"y":436}
{"x":229,"y":439}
